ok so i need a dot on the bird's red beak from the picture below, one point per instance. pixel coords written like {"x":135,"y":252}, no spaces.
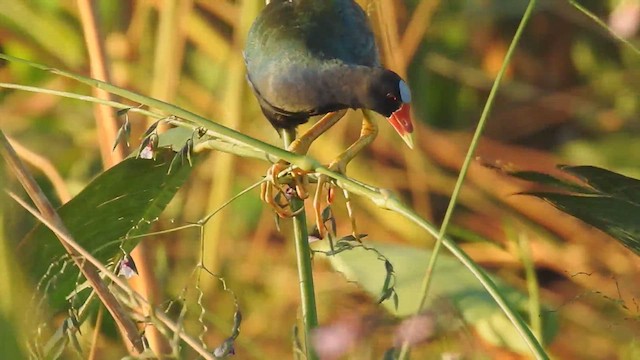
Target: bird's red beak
{"x":401,"y":121}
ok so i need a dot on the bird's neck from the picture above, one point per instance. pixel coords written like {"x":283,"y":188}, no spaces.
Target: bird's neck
{"x":350,"y":84}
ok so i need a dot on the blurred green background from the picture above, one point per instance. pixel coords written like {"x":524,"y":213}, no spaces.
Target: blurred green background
{"x":571,"y":97}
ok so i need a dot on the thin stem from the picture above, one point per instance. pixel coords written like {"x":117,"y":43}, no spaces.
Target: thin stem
{"x":602,"y":24}
{"x":303,"y":258}
{"x":426,"y":281}
{"x":87,"y":98}
{"x":521,"y":326}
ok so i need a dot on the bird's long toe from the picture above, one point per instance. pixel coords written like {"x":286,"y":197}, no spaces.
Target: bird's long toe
{"x":278,"y":195}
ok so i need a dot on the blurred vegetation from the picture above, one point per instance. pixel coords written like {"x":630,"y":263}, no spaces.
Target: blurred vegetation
{"x":571,"y":97}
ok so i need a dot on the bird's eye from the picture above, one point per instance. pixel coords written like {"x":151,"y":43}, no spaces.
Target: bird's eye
{"x":391,"y":97}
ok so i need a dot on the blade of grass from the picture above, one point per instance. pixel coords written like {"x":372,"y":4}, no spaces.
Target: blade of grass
{"x":86,"y":98}
{"x":463,"y":172}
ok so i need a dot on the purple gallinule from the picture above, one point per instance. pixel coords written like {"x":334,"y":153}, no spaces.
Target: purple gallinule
{"x":317,"y":57}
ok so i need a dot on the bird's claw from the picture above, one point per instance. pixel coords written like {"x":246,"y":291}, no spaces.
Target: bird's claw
{"x":278,"y":196}
{"x":325,"y":181}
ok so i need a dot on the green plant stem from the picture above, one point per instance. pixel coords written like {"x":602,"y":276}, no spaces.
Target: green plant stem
{"x":521,"y":326}
{"x":426,"y":281}
{"x":380,"y":197}
{"x":469,"y":157}
{"x":602,"y":24}
{"x":303,"y":258}
{"x":213,"y":129}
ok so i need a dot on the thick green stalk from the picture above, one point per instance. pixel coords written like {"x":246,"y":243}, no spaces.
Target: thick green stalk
{"x":426,"y":282}
{"x":303,"y":257}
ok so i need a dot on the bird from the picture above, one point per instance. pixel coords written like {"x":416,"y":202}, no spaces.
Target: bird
{"x":319,"y":57}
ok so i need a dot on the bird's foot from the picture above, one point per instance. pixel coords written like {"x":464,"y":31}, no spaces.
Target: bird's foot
{"x":278,"y":195}
{"x":324,"y":182}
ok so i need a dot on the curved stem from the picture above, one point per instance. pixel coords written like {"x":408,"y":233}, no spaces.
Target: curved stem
{"x":521,"y":326}
{"x":214,"y":129}
{"x":426,"y":281}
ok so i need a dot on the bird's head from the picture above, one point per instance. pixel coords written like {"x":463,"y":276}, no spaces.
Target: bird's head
{"x":390,"y":96}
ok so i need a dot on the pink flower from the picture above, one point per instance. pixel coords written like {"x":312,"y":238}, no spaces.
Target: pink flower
{"x":625,"y":18}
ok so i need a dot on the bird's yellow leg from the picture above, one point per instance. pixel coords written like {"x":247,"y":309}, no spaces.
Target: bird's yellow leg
{"x":272,"y":188}
{"x":301,"y":145}
{"x":368,"y":133}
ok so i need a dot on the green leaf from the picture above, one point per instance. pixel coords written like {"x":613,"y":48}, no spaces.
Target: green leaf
{"x":451,"y":281}
{"x":616,"y":216}
{"x":123,"y":201}
{"x":608,"y":182}
{"x":546,"y":179}
{"x":607,"y":200}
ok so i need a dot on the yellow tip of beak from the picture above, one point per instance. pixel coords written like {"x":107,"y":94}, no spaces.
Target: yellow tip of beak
{"x":408,"y":139}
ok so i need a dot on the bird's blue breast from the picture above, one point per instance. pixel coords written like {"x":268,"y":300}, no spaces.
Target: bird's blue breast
{"x":294,"y":45}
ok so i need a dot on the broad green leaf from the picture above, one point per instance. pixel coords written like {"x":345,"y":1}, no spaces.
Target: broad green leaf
{"x":606,"y":200}
{"x":616,"y":216}
{"x":546,"y":179}
{"x":607,"y":182}
{"x":123,"y":201}
{"x":451,"y":282}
